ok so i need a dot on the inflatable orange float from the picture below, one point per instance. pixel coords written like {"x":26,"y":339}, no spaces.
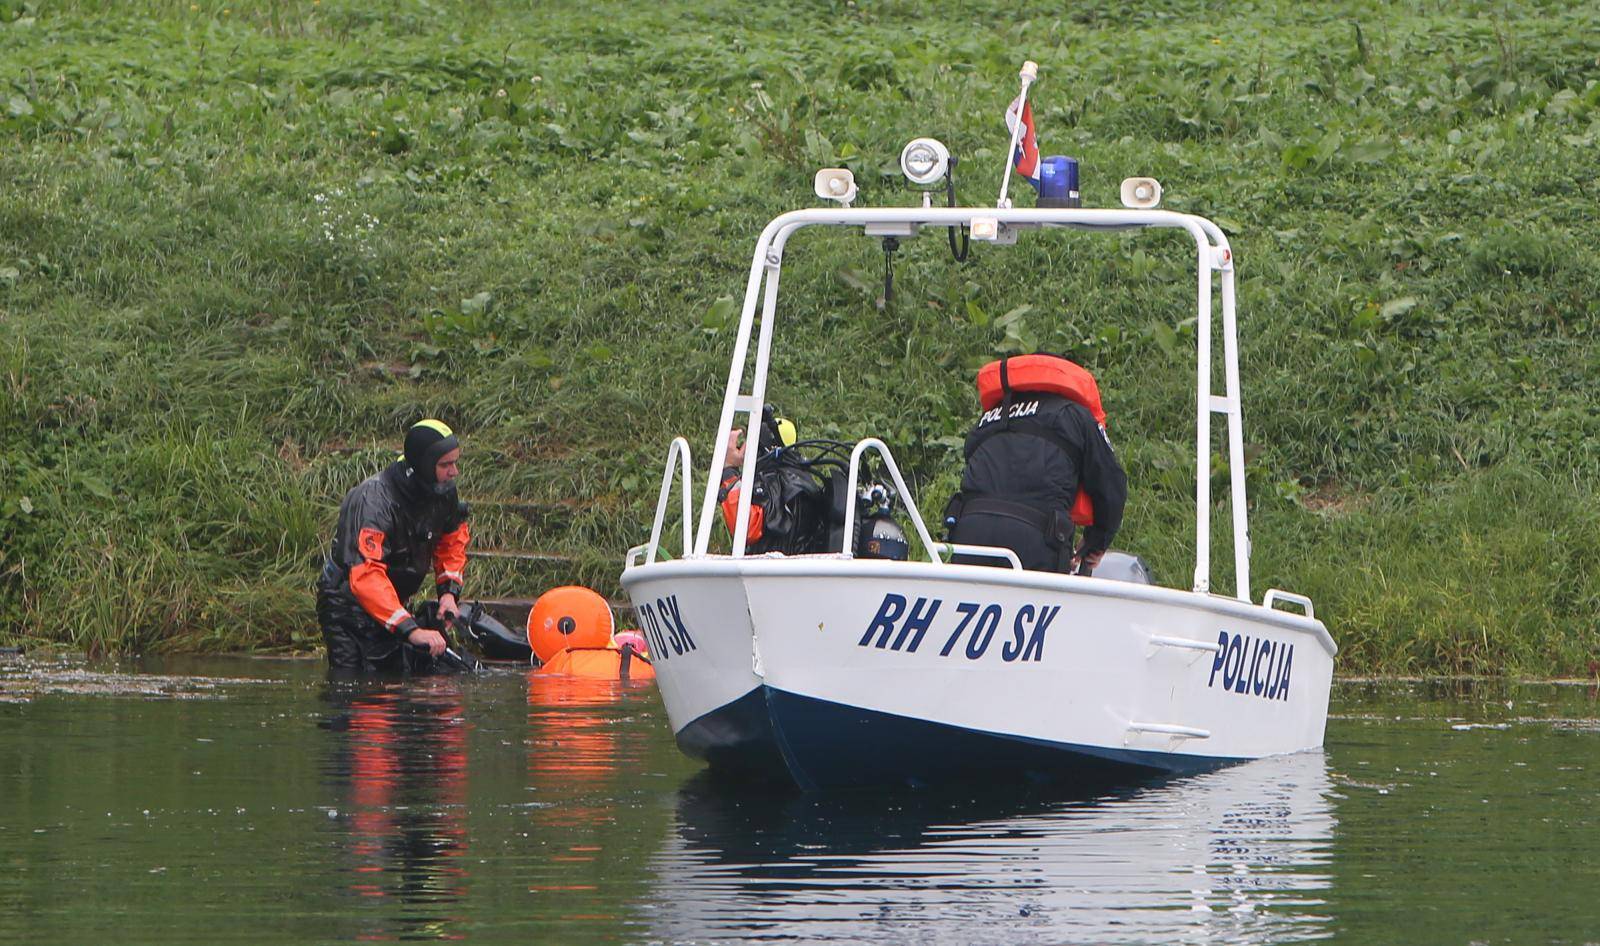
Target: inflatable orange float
{"x":570,"y":631}
{"x":569,"y":616}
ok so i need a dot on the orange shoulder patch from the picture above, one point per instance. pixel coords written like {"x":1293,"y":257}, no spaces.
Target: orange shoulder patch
{"x":370,"y":542}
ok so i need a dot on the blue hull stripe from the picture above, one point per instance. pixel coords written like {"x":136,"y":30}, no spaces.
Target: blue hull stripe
{"x":816,"y":743}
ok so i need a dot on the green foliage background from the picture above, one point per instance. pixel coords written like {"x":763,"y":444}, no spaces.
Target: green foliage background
{"x":243,"y":245}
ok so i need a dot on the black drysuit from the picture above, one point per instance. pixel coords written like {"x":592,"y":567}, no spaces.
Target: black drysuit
{"x":1025,"y":465}
{"x":393,"y":530}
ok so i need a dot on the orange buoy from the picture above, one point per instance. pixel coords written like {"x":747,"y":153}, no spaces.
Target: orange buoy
{"x":569,"y":616}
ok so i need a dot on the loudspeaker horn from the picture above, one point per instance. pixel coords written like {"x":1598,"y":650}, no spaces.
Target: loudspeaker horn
{"x":835,"y":184}
{"x":1141,"y":193}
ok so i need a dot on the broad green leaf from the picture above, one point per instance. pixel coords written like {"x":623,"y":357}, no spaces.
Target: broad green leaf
{"x":719,"y":314}
{"x":1007,"y":320}
{"x":1329,"y":146}
{"x":1165,"y":338}
{"x":1298,"y":156}
{"x":854,"y":278}
{"x":1371,"y":152}
{"x":95,"y":486}
{"x":1398,"y":306}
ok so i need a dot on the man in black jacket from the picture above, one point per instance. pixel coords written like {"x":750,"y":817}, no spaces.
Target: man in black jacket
{"x":394,"y":528}
{"x":1027,"y":459}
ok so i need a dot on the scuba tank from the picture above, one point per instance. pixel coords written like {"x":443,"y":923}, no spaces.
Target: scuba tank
{"x":877,"y":534}
{"x":800,"y":490}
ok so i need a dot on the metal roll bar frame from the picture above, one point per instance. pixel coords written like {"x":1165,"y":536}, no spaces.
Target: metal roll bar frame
{"x":1214,"y":261}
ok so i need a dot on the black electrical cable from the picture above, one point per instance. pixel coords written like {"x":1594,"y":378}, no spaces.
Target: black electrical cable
{"x":950,"y":198}
{"x":890,"y":244}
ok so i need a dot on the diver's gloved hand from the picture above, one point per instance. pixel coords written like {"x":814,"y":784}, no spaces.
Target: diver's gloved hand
{"x":433,"y":640}
{"x":1084,"y":562}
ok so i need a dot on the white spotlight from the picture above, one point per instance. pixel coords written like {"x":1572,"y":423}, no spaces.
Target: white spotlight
{"x":924,"y":161}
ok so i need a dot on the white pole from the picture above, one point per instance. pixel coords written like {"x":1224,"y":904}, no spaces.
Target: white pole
{"x":1230,"y":367}
{"x":730,"y":397}
{"x":1030,"y":72}
{"x":1202,"y":433}
{"x":758,"y":395}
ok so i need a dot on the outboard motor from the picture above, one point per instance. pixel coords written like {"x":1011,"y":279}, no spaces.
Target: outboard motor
{"x":1121,"y":566}
{"x":488,"y":636}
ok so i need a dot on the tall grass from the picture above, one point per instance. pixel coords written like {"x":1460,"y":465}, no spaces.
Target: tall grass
{"x":243,"y":245}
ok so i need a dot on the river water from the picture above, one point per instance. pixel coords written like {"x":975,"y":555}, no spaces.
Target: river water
{"x":250,"y":801}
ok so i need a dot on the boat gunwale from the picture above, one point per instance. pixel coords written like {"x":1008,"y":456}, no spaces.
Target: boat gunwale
{"x":835,"y":566}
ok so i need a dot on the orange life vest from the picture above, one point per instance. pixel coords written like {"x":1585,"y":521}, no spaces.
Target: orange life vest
{"x":1050,"y":374}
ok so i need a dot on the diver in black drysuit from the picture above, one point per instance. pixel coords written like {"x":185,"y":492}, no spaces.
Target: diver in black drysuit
{"x":394,"y":528}
{"x":1025,"y":464}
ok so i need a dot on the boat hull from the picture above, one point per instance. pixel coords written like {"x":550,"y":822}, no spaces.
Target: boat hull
{"x":815,"y":743}
{"x":827,"y":672}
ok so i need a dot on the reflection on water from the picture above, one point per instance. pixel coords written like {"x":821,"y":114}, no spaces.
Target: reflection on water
{"x":403,"y":807}
{"x":1235,"y":856}
{"x":513,"y":808}
{"x":583,"y":745}
{"x":574,"y":731}
{"x":399,"y":771}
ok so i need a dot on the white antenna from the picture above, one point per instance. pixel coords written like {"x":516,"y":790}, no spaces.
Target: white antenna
{"x":1030,"y":72}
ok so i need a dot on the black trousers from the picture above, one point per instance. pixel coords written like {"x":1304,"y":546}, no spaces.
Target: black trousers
{"x":1035,"y":553}
{"x":360,"y":646}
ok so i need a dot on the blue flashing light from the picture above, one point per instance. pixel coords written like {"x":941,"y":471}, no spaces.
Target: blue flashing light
{"x":1058,"y":182}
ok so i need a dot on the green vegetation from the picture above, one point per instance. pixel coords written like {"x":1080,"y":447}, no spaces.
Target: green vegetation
{"x":243,"y":245}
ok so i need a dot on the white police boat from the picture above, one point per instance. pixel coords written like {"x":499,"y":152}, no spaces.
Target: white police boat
{"x":832,"y":669}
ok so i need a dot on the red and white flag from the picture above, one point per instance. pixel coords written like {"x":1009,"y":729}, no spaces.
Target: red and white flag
{"x":1026,"y":157}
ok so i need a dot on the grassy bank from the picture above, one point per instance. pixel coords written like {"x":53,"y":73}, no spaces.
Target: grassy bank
{"x":243,"y":245}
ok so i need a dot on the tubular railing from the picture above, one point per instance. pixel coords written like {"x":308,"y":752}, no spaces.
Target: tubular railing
{"x":1214,"y":277}
{"x":1274,"y":595}
{"x":679,"y":451}
{"x":1214,"y":265}
{"x":873,"y":443}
